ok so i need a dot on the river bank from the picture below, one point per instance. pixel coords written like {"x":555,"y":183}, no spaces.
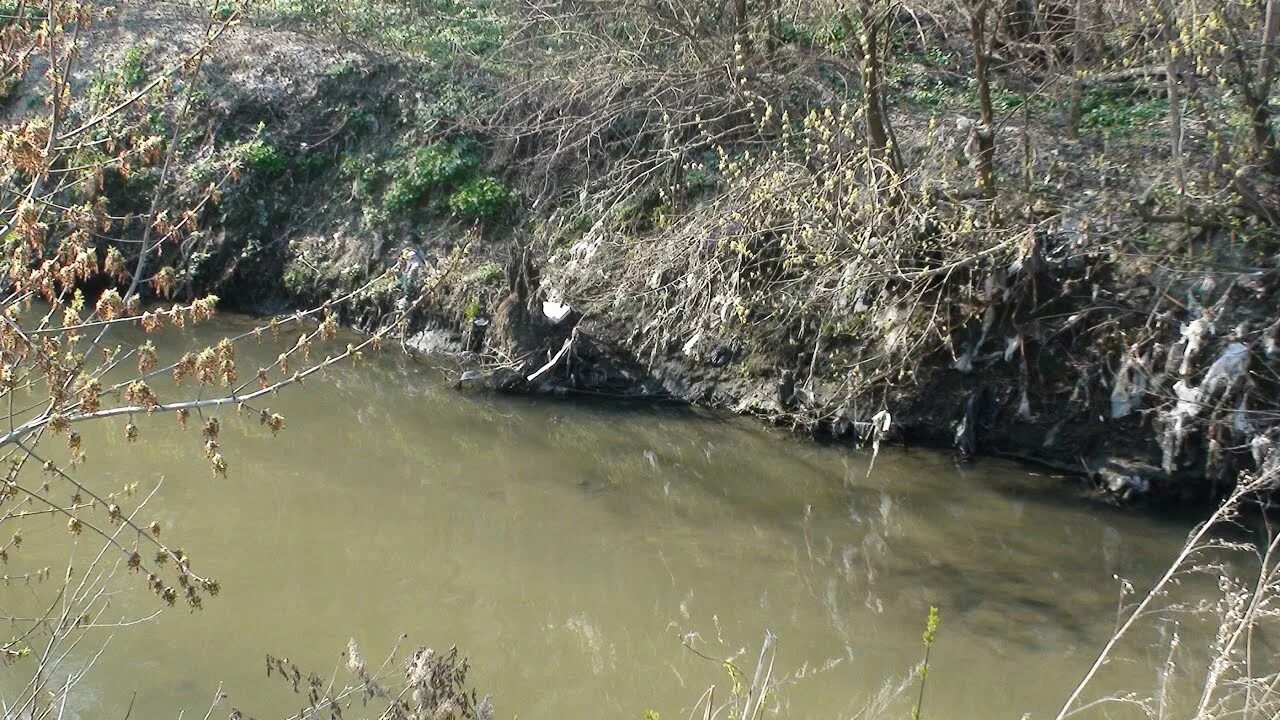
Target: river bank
{"x":1039,"y":230}
{"x":754,"y":265}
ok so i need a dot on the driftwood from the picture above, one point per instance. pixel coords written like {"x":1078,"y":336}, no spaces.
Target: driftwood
{"x":555,"y":359}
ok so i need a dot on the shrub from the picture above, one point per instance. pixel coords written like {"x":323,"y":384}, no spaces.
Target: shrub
{"x":425,"y":170}
{"x":133,"y":70}
{"x":1106,"y":110}
{"x":472,"y":310}
{"x":481,"y":198}
{"x":362,"y":170}
{"x":62,"y":239}
{"x":262,"y":159}
{"x":312,"y":164}
{"x":485,"y":273}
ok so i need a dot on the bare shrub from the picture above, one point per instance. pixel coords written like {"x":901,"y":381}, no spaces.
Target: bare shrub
{"x":1237,"y":674}
{"x":93,"y":210}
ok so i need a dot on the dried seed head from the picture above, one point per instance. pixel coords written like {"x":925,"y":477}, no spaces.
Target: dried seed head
{"x":355,"y":663}
{"x":110,"y":305}
{"x":273,"y":421}
{"x":146,"y":357}
{"x":164,"y":282}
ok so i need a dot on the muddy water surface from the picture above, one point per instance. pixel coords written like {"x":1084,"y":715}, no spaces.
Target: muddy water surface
{"x":570,"y":549}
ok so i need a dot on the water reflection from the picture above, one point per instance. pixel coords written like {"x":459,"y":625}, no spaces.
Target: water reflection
{"x":569,"y":548}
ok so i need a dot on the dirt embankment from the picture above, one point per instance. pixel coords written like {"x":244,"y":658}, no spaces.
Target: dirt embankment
{"x":1082,"y":343}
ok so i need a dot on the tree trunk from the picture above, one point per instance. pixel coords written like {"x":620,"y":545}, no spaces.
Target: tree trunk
{"x":985,"y":131}
{"x":1079,"y":51}
{"x":741,"y":29}
{"x":867,"y":47}
{"x":773,"y":23}
{"x":1264,"y":138}
{"x":1171,"y":75}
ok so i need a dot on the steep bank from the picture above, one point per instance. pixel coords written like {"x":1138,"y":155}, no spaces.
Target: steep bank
{"x":726,"y":236}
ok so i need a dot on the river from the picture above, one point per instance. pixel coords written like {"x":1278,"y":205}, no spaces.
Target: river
{"x":570,"y":549}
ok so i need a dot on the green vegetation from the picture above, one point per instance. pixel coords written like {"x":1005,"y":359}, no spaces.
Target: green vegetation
{"x":427,"y":171}
{"x":933,"y":97}
{"x":1113,"y":111}
{"x":263,"y":160}
{"x":481,"y":198}
{"x":848,"y":179}
{"x":930,"y":636}
{"x":472,"y":310}
{"x":486,"y":273}
{"x":312,"y":163}
{"x":430,"y":180}
{"x":448,"y":31}
{"x":15,"y":13}
{"x":133,"y":69}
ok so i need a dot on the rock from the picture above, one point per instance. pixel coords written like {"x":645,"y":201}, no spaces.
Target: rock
{"x":1125,"y":479}
{"x":722,"y":355}
{"x":786,"y":390}
{"x":506,"y":380}
{"x":433,"y":340}
{"x":472,"y":380}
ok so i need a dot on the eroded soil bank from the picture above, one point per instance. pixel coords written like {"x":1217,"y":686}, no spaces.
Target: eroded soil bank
{"x":1083,"y":328}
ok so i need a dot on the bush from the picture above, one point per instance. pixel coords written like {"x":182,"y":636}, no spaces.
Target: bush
{"x":312,"y":164}
{"x":263,"y":160}
{"x":1106,"y":110}
{"x":19,"y":14}
{"x":481,"y":198}
{"x":427,"y":169}
{"x":133,"y":71}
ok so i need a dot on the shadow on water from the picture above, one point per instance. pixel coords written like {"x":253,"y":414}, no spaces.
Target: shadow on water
{"x":1000,"y":580}
{"x":565,"y":544}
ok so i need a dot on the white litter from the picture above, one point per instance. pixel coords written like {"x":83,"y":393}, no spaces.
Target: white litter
{"x":555,"y":311}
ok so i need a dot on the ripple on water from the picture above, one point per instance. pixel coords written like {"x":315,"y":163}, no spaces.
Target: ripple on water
{"x":566,"y":547}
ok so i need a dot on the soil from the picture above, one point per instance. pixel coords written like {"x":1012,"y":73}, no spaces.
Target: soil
{"x":304,"y":234}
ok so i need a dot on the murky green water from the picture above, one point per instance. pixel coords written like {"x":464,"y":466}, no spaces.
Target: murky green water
{"x":567,"y":548}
